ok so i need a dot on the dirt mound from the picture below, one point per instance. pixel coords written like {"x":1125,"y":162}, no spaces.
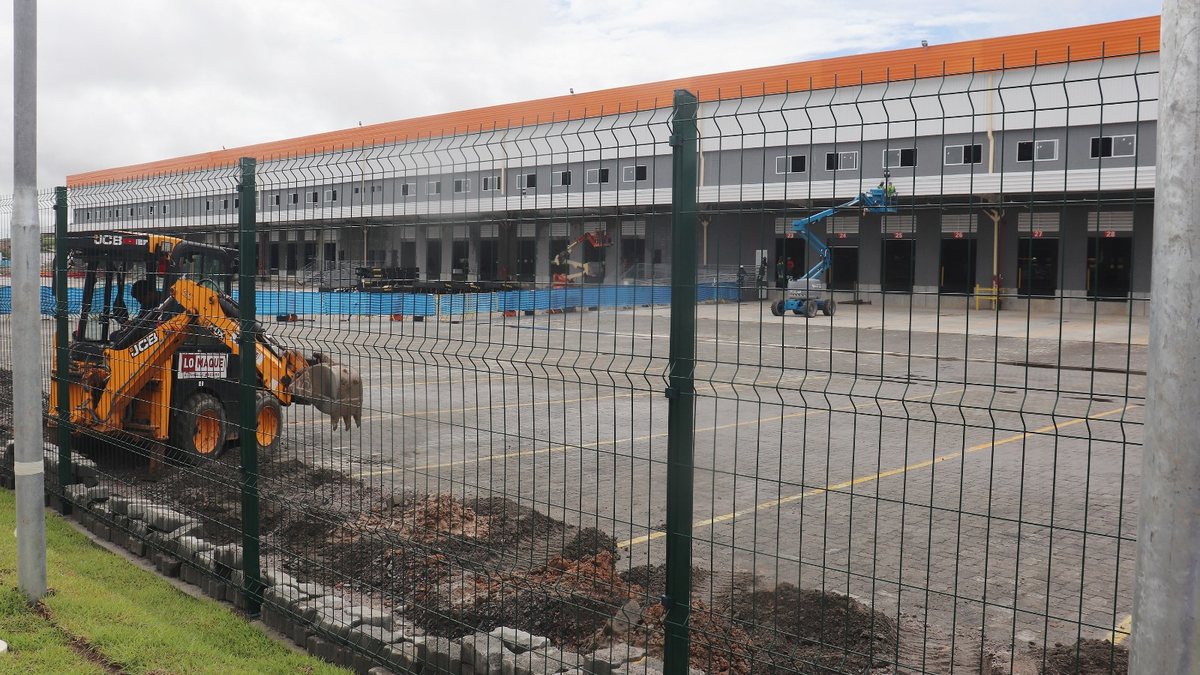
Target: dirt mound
{"x":1086,"y":657}
{"x":425,"y":520}
{"x":813,"y":631}
{"x":653,"y":578}
{"x":717,"y":645}
{"x":590,"y":541}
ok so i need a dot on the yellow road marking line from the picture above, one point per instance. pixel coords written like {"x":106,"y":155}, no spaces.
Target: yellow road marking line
{"x":875,"y":476}
{"x":1122,"y":631}
{"x":638,"y":439}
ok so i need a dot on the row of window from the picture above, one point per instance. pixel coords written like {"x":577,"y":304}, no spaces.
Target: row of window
{"x":957,"y":155}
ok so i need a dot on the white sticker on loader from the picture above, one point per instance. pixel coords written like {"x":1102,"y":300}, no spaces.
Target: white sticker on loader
{"x":201,"y":365}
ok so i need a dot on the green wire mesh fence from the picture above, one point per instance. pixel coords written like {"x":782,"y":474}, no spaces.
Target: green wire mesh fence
{"x":834,"y":380}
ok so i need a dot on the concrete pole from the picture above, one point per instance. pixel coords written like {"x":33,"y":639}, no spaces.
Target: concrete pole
{"x":1166,"y":630}
{"x":27,"y":320}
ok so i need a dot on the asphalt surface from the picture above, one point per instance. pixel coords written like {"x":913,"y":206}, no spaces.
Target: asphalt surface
{"x":971,"y":473}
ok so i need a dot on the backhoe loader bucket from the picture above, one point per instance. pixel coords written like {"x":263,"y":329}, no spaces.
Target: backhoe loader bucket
{"x":332,"y":388}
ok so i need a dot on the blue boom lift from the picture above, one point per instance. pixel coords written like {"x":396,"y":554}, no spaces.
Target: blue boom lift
{"x":806,"y":294}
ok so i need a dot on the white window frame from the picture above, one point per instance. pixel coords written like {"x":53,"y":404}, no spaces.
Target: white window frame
{"x":556,"y":178}
{"x":166,"y":209}
{"x":1113,"y":143}
{"x":1036,"y":144}
{"x":899,"y":158}
{"x":523,"y":181}
{"x":489,"y":183}
{"x":151,"y":209}
{"x":592,"y":176}
{"x":842,"y":154}
{"x":462,"y":186}
{"x":207,"y":205}
{"x":962,"y":154}
{"x":313,"y":197}
{"x":275,"y":200}
{"x":433,"y":188}
{"x":331,"y":195}
{"x":785,"y":162}
{"x":237,"y":201}
{"x":408,"y":190}
{"x":295,"y":199}
{"x":625,"y":173}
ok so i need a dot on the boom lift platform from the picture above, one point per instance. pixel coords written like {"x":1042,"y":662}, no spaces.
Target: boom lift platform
{"x":598,"y":239}
{"x":808,"y":294}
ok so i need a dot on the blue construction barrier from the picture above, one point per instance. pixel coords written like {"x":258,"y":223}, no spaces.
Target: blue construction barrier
{"x":273,"y":303}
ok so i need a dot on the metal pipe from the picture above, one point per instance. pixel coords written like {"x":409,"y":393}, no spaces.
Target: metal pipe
{"x":29,"y":465}
{"x":1166,"y":631}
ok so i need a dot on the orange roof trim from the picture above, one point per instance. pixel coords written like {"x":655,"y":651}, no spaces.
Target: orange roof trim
{"x":1118,"y":38}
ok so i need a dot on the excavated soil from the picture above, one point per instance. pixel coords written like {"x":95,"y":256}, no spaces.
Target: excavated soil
{"x":1086,"y":657}
{"x":812,"y":631}
{"x":463,"y":564}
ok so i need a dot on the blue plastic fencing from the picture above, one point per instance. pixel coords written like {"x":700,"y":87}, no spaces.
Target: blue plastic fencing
{"x":272,"y":303}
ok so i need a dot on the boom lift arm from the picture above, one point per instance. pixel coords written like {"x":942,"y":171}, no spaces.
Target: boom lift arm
{"x":801,"y":298}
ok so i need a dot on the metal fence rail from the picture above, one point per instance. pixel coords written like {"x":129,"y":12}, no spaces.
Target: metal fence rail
{"x":635,"y":456}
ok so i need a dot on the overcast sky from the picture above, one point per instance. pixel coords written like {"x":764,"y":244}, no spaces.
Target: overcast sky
{"x":129,"y":81}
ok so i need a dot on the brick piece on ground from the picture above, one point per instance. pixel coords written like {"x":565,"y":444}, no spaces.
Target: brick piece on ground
{"x":518,"y":640}
{"x":607,"y":659}
{"x":192,"y":528}
{"x":76,"y":492}
{"x":405,"y":657}
{"x":229,"y":555}
{"x":443,"y":655}
{"x":166,"y":519}
{"x":98,"y":493}
{"x":477,"y":648}
{"x":372,"y":638}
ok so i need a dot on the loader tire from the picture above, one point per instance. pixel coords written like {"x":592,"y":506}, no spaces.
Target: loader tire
{"x":199,"y":427}
{"x":268,"y":415}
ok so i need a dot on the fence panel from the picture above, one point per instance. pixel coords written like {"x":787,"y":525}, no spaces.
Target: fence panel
{"x":916,"y":316}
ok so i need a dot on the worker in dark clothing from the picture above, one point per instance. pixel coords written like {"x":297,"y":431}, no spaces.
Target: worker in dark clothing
{"x":147,"y":298}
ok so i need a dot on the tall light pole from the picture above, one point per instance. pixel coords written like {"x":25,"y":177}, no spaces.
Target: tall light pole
{"x":28,"y":465}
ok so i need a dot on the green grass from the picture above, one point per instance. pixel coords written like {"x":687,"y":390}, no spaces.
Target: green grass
{"x":131,"y":616}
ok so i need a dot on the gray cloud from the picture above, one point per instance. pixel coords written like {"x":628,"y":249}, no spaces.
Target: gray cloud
{"x":128,"y":81}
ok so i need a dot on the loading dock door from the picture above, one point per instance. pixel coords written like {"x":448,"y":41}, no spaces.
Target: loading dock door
{"x":489,"y":259}
{"x":526,"y":259}
{"x":792,"y":250}
{"x":898,"y":257}
{"x":957,"y":274}
{"x":1109,"y":260}
{"x":843,"y":267}
{"x":1037,"y":266}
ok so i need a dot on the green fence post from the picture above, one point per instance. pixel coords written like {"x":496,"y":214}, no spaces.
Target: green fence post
{"x":248,"y":390}
{"x":61,"y":357}
{"x":681,"y":389}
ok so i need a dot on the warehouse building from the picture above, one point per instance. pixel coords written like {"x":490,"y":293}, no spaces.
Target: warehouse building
{"x":1024,"y":163}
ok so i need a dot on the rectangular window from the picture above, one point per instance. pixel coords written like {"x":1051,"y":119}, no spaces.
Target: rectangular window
{"x":357,"y":190}
{"x":433,"y":187}
{"x":841,"y":161}
{"x":1037,"y":151}
{"x":207,"y":206}
{"x":407,"y":189}
{"x":131,"y":211}
{"x":964,"y":154}
{"x":87,"y":215}
{"x":295,"y":197}
{"x":376,"y":188}
{"x":274,"y":200}
{"x":313,"y":197}
{"x":225,"y":204}
{"x":489,"y":183}
{"x":151,"y":209}
{"x":633,"y":174}
{"x":462,"y":185}
{"x":526,"y":181}
{"x":237,"y":201}
{"x":561,"y":178}
{"x":1113,"y":146}
{"x":899,"y":158}
{"x":331,"y":195}
{"x":139,"y":210}
{"x":597,"y":176}
{"x":166,"y":208}
{"x":791,"y":164}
